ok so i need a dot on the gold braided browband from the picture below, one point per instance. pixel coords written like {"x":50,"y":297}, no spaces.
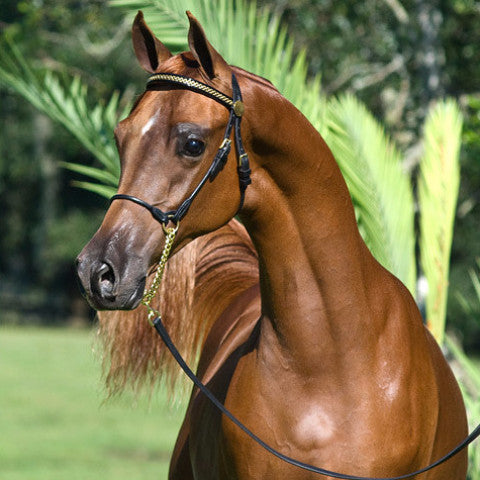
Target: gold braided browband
{"x":191,"y":84}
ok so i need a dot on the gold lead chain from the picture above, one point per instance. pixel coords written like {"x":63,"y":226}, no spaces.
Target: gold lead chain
{"x":151,"y":292}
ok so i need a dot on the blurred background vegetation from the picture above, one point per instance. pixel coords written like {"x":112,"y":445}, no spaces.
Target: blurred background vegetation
{"x":371,"y":75}
{"x":45,"y":222}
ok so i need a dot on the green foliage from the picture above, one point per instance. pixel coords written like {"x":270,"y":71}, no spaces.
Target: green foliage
{"x":470,"y":308}
{"x":470,"y":385}
{"x":437,"y":194}
{"x":65,"y":235}
{"x":68,"y":106}
{"x":168,"y":17}
{"x":381,"y":190}
{"x":469,"y":372}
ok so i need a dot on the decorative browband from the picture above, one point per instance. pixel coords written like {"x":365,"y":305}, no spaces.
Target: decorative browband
{"x":190,"y":84}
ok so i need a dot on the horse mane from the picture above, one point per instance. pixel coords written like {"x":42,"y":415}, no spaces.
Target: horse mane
{"x":255,"y":78}
{"x":200,"y":281}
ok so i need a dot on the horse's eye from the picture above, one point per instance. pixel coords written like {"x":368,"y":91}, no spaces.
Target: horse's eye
{"x":193,"y":147}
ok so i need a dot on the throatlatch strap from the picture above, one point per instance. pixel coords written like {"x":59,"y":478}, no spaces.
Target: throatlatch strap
{"x":243,"y":166}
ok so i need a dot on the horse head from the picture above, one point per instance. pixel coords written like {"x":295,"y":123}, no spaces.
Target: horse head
{"x":166,"y":147}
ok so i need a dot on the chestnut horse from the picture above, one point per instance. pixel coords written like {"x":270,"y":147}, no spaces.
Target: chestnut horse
{"x":327,"y":360}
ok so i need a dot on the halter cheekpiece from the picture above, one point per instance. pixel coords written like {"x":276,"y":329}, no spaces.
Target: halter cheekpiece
{"x":235,"y":106}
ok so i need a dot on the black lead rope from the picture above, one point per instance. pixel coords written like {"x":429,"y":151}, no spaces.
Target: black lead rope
{"x":160,"y":328}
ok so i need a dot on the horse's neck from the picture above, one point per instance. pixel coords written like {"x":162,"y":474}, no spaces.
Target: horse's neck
{"x":314,"y":265}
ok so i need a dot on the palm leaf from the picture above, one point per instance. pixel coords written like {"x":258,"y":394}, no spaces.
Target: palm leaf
{"x":67,"y":105}
{"x":437,"y":194}
{"x":98,"y":188}
{"x":469,"y":376}
{"x":166,"y":16}
{"x":469,"y":381}
{"x":380,"y":189}
{"x":100,"y":174}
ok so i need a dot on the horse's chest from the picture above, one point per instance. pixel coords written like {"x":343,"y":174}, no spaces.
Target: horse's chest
{"x":282,"y":417}
{"x":306,"y":424}
{"x":212,"y":447}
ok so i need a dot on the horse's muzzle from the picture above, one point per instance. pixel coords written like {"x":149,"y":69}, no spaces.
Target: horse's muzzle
{"x":102,"y":285}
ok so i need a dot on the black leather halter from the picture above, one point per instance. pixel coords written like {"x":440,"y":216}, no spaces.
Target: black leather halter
{"x":236,"y":108}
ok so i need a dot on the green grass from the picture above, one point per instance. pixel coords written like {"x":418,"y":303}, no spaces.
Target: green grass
{"x":55,"y":423}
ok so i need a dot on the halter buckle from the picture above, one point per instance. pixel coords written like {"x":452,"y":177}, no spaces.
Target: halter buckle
{"x":226,"y":142}
{"x":238,"y":108}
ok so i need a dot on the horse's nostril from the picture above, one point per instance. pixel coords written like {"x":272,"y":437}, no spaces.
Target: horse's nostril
{"x":106,"y":280}
{"x":105,"y":272}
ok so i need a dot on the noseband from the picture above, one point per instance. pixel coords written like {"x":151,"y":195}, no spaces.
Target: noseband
{"x":236,"y":109}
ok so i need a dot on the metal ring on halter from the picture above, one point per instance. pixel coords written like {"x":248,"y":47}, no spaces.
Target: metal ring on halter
{"x":166,"y":230}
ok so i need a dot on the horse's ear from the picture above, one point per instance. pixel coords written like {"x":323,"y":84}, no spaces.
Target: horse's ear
{"x":210,"y":60}
{"x":150,"y":51}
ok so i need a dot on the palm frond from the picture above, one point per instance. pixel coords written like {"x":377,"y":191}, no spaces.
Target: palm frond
{"x":380,"y":189}
{"x":68,"y":106}
{"x":166,"y":16}
{"x":469,"y":381}
{"x":102,"y":175}
{"x":98,"y":188}
{"x":437,"y":194}
{"x":469,"y":373}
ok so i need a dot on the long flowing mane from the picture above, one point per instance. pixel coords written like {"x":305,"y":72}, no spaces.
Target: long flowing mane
{"x":200,"y":281}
